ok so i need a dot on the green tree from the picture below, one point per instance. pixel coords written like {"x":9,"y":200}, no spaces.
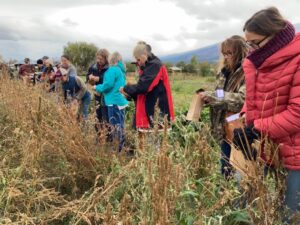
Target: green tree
{"x":205,"y":69}
{"x":189,"y":68}
{"x":181,"y":64}
{"x":194,"y":61}
{"x":194,"y":65}
{"x":130,"y":67}
{"x":81,"y":54}
{"x":168,"y":65}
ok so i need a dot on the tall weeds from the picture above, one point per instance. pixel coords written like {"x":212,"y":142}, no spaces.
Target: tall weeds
{"x":52,"y":171}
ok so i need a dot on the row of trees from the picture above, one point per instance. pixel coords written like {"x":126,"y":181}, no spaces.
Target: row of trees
{"x":82,"y":54}
{"x":194,"y":67}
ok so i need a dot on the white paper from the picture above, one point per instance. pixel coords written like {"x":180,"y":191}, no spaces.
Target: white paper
{"x":233,"y":117}
{"x":220,"y":93}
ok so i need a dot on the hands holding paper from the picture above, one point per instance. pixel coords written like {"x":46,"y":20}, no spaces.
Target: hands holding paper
{"x":207,"y":97}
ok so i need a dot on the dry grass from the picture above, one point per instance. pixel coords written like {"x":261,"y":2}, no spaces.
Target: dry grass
{"x":52,"y":172}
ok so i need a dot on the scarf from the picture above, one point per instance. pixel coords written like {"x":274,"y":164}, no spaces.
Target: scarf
{"x":281,"y":39}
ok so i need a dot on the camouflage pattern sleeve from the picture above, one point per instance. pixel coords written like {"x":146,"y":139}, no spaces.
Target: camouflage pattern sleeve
{"x":214,"y":101}
{"x":235,"y":101}
{"x":212,"y":96}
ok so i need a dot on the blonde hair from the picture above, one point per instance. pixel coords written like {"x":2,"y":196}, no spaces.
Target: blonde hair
{"x":142,"y":48}
{"x":50,"y":61}
{"x":115,"y":58}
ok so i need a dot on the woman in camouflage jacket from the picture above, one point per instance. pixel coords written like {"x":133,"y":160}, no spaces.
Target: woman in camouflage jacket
{"x":229,"y":95}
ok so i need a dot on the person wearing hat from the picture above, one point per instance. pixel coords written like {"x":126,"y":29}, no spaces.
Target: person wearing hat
{"x":75,"y":90}
{"x":48,"y":75}
{"x":39,"y":64}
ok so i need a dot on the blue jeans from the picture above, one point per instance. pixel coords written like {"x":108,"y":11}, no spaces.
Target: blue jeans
{"x":292,"y":193}
{"x":226,"y":167}
{"x":84,"y":105}
{"x":116,"y":118}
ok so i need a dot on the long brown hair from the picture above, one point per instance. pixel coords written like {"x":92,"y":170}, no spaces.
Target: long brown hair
{"x":235,"y":45}
{"x":104,"y":53}
{"x":265,"y":22}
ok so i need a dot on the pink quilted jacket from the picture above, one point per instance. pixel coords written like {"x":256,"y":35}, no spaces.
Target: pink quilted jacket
{"x":273,"y":100}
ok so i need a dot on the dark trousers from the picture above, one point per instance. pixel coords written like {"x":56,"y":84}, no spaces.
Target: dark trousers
{"x":101,"y":113}
{"x":292,"y":194}
{"x":226,"y":167}
{"x":117,"y":121}
{"x":101,"y":125}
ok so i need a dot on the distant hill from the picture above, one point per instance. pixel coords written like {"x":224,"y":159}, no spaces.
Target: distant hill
{"x":209,"y":53}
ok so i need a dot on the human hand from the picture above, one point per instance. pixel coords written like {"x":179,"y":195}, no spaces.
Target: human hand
{"x":74,"y":101}
{"x":123,"y":92}
{"x":91,"y":77}
{"x":243,"y":139}
{"x":206,"y":97}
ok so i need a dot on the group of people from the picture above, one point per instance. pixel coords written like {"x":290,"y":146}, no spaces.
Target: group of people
{"x":112,"y":93}
{"x":259,"y":78}
{"x":109,"y":89}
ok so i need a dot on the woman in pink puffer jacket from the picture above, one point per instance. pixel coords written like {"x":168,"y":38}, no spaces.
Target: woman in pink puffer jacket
{"x":272,"y":106}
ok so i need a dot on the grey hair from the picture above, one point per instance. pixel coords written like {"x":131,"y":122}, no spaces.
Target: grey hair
{"x":115,"y":58}
{"x":142,"y":48}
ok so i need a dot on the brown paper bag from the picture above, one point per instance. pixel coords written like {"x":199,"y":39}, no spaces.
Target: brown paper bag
{"x":231,"y":125}
{"x":195,"y":108}
{"x":237,"y":160}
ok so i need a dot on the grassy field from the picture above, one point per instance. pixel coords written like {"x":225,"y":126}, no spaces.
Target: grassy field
{"x":183,"y":87}
{"x":53,"y":172}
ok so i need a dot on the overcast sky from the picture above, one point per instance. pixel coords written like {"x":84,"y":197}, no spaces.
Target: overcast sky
{"x":33,"y":28}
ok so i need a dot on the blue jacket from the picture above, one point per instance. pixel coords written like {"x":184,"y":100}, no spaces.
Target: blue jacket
{"x":114,"y":79}
{"x":75,"y":87}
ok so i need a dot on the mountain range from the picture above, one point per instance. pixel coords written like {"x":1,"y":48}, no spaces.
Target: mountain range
{"x":209,"y":53}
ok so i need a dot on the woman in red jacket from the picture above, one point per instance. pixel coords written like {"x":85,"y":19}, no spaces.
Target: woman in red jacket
{"x":272,"y":106}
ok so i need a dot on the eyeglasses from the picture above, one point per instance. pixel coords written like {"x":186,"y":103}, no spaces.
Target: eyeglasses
{"x":254,"y":45}
{"x":227,"y":54}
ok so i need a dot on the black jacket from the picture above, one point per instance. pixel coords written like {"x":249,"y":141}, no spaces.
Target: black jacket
{"x":97,"y":71}
{"x":158,"y":94}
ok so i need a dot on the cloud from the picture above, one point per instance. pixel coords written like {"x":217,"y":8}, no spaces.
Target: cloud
{"x":35,"y":38}
{"x":223,"y":10}
{"x":6,"y":33}
{"x":55,"y":4}
{"x":69,"y":23}
{"x":159,"y":37}
{"x":219,"y":19}
{"x":35,"y":28}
